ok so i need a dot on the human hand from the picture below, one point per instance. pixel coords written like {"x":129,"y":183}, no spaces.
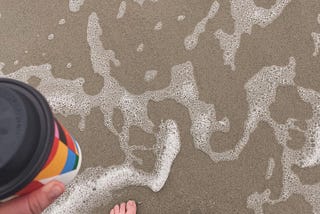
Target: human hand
{"x":35,"y":202}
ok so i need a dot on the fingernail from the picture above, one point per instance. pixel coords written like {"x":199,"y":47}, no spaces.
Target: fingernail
{"x":55,"y":192}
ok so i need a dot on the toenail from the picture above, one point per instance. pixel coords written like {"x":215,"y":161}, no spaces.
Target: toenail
{"x":131,"y":203}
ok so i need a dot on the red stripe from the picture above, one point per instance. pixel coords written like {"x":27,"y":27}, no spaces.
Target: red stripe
{"x":34,"y":185}
{"x":69,"y":140}
{"x":53,"y":151}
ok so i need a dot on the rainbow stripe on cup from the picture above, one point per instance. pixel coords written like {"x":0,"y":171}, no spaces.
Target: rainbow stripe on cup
{"x":63,"y":163}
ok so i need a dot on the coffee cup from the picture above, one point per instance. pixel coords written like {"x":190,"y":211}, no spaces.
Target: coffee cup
{"x":34,"y":147}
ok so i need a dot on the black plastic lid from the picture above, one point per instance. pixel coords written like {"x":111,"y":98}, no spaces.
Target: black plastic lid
{"x":26,"y":135}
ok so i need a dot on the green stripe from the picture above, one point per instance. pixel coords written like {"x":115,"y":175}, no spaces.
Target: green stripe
{"x":76,"y":162}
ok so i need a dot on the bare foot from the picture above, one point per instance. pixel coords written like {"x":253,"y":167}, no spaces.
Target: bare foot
{"x":129,"y":208}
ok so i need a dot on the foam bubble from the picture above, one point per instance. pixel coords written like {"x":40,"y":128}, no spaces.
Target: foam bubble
{"x":271,"y":165}
{"x":2,"y":64}
{"x":16,"y":62}
{"x":51,"y":36}
{"x":74,"y":5}
{"x":150,"y":75}
{"x":140,"y":2}
{"x":158,"y":26}
{"x":62,"y":21}
{"x":69,"y":65}
{"x":311,"y":149}
{"x":316,"y":40}
{"x":254,"y":200}
{"x":246,"y":14}
{"x":191,"y":41}
{"x":181,"y":18}
{"x":140,"y":47}
{"x":122,"y":9}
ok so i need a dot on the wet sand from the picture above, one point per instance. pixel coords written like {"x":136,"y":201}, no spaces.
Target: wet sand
{"x":196,"y":184}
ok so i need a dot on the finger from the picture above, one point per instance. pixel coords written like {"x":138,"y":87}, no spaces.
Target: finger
{"x":39,"y":200}
{"x":35,"y":202}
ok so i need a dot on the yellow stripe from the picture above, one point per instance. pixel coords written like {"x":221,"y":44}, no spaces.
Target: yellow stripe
{"x":56,"y":166}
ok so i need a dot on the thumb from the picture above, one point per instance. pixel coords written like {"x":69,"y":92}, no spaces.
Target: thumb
{"x":35,"y":202}
{"x":42,"y":198}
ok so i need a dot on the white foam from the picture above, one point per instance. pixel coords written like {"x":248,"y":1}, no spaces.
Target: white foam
{"x":2,"y":64}
{"x":271,"y":165}
{"x":69,"y":65}
{"x":191,"y":41}
{"x":262,"y":88}
{"x":74,"y":5}
{"x":16,"y":62}
{"x":311,"y":149}
{"x":150,"y":75}
{"x":140,"y":47}
{"x":140,"y":2}
{"x":122,"y":9}
{"x":246,"y":14}
{"x":316,"y":40}
{"x":96,"y":185}
{"x":181,"y":18}
{"x":62,"y":21}
{"x":254,"y":200}
{"x":67,"y":97}
{"x":51,"y":36}
{"x":158,"y":26}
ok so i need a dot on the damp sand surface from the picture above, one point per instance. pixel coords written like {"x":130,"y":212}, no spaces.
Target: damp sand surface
{"x":223,"y":173}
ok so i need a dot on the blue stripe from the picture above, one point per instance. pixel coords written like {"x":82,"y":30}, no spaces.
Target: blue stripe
{"x":70,"y":162}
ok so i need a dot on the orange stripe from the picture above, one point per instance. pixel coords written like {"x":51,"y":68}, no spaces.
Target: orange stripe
{"x":53,"y":151}
{"x":56,"y":166}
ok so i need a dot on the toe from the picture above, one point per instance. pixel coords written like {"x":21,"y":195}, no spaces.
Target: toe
{"x":116,"y":209}
{"x":123,"y":208}
{"x":131,"y":207}
{"x":112,"y":211}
